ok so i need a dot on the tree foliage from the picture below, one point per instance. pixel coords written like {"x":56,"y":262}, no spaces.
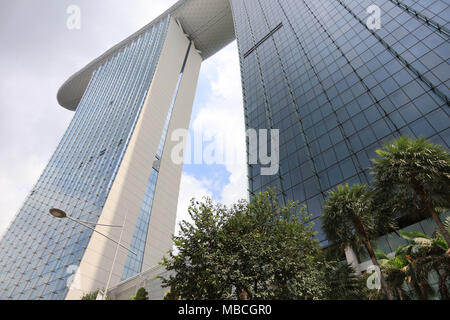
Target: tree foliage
{"x":350,"y":218}
{"x":344,"y":283}
{"x":413,"y":263}
{"x":261,"y":250}
{"x":413,"y":175}
{"x":395,"y":270}
{"x":411,"y":179}
{"x":91,"y":295}
{"x":141,"y":294}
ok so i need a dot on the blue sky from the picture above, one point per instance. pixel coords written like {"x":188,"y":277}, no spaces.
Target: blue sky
{"x":39,"y":53}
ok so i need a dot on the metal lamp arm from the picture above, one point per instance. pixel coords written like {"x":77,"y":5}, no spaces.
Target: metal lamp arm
{"x":97,"y":224}
{"x":93,"y":229}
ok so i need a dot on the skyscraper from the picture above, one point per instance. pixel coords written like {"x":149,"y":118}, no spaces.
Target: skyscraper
{"x":337,"y":89}
{"x":334,"y":86}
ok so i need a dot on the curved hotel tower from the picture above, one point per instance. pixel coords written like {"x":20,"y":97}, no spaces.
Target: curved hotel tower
{"x":335,"y":87}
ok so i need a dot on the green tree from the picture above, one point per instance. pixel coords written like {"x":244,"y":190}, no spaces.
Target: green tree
{"x":426,"y":254}
{"x":91,"y":295}
{"x":344,"y":284}
{"x":141,"y":294}
{"x":413,"y":263}
{"x":171,"y":295}
{"x":415,"y":174}
{"x":261,"y":250}
{"x":395,"y":269}
{"x":350,"y":218}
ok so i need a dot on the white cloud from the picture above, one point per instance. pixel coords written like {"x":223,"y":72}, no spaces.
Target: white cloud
{"x":224,"y":114}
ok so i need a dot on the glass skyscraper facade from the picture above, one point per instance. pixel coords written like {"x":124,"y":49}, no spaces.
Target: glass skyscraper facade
{"x":337,"y":89}
{"x":37,"y":251}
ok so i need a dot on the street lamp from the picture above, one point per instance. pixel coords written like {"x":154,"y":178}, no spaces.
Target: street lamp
{"x":60,"y":214}
{"x":57,"y":213}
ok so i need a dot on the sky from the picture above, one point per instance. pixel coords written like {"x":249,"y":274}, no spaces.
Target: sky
{"x":39,"y":52}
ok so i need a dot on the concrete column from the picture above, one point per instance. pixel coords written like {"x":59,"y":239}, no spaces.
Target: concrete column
{"x":352,"y":259}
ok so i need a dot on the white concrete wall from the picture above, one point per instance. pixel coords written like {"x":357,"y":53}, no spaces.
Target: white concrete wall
{"x":128,"y":189}
{"x":148,"y":280}
{"x":163,"y":217}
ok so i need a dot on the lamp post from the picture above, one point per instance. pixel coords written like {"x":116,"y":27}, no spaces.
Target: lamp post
{"x":60,"y":214}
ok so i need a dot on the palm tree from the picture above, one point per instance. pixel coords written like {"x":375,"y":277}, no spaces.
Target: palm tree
{"x":344,"y":283}
{"x":350,"y":219}
{"x":395,"y":269}
{"x":425,"y":254}
{"x":414,"y":262}
{"x":415,"y":171}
